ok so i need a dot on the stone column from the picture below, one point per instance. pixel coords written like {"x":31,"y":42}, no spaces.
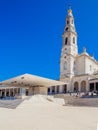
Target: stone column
{"x":60,"y":89}
{"x":23,"y":90}
{"x":50,"y":90}
{"x":79,"y":87}
{"x":5,"y":92}
{"x":13,"y":91}
{"x":94,"y":86}
{"x":0,"y":93}
{"x":87,"y":86}
{"x":17,"y":91}
{"x":55,"y":89}
{"x":9,"y":93}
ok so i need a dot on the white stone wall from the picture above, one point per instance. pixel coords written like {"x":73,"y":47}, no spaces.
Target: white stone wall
{"x":90,"y":66}
{"x":80,"y":65}
{"x":40,"y":90}
{"x":86,"y":65}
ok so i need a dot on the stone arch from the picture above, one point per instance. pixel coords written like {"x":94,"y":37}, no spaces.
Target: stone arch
{"x":76,"y":86}
{"x":83,"y":86}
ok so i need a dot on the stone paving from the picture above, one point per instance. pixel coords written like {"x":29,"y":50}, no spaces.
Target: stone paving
{"x":11,"y":104}
{"x":79,"y":101}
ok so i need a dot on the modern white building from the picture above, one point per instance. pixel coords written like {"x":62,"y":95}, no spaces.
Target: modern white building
{"x":78,"y":70}
{"x":27,"y":84}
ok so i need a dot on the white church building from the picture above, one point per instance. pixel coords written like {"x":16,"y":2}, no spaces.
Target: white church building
{"x":80,"y":71}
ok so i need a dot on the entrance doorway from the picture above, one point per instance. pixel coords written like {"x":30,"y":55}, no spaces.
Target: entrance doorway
{"x":53,"y":89}
{"x":7,"y":94}
{"x":97,"y":86}
{"x":91,"y":87}
{"x":83,"y":86}
{"x":27,"y":92}
{"x":48,"y":90}
{"x":76,"y":87}
{"x":64,"y":88}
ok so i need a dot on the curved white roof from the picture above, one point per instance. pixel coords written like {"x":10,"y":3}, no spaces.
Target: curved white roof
{"x":31,"y":80}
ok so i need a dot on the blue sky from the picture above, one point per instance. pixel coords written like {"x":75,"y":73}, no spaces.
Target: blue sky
{"x":31,"y":34}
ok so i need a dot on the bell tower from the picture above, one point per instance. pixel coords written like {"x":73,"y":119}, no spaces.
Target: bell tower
{"x":69,"y":48}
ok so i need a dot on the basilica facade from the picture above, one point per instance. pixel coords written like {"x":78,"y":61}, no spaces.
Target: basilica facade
{"x":80,"y":71}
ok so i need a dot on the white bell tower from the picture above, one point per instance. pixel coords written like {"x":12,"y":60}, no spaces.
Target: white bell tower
{"x":69,"y":48}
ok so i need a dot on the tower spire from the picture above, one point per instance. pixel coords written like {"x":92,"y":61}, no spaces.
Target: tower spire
{"x":70,"y":10}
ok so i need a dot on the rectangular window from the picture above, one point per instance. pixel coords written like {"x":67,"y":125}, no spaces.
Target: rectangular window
{"x":66,"y":40}
{"x":67,"y":22}
{"x":74,"y":40}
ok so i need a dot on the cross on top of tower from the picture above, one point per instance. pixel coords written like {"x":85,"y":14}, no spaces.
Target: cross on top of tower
{"x":69,"y":10}
{"x":69,"y":6}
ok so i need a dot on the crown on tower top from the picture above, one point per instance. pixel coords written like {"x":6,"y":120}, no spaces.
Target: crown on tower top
{"x":70,"y":11}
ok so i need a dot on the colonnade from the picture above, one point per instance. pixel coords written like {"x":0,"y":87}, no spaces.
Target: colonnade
{"x":94,"y":86}
{"x":80,"y":86}
{"x":57,"y":89}
{"x":9,"y":92}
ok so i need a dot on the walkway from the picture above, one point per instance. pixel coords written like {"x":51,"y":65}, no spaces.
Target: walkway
{"x":11,"y":104}
{"x":78,"y":101}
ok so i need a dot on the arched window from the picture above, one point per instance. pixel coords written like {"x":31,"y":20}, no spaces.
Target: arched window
{"x":76,"y":86}
{"x":65,"y":57}
{"x":74,"y":40}
{"x":66,"y":40}
{"x":74,"y":66}
{"x":90,"y":68}
{"x":67,"y":22}
{"x":67,"y":29}
{"x":72,"y":21}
